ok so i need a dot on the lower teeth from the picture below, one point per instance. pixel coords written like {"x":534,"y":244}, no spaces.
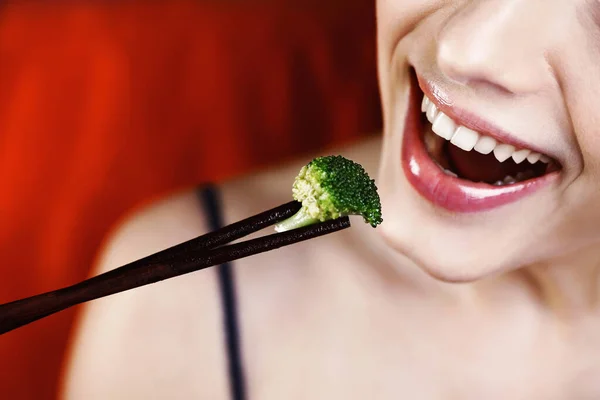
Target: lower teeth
{"x":508,"y":180}
{"x":521,"y":176}
{"x":449,"y":173}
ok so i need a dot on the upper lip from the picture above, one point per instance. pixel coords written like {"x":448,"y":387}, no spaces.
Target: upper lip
{"x":471,"y":121}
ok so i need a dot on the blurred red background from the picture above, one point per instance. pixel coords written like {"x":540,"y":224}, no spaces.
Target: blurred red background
{"x":107,"y":105}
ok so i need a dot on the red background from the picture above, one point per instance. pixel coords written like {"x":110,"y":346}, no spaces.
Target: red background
{"x":107,"y":105}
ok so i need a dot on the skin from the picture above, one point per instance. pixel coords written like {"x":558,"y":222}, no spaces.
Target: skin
{"x":377,"y":313}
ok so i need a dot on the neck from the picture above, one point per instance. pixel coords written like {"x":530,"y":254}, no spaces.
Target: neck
{"x":569,"y":286}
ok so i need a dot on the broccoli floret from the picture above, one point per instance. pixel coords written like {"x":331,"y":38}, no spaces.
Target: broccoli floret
{"x":331,"y":187}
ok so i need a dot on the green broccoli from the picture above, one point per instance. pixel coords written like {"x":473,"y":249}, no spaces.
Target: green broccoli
{"x":331,"y":187}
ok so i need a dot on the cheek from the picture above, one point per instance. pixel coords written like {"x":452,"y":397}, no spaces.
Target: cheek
{"x":580,"y":224}
{"x":396,"y":18}
{"x":588,"y":139}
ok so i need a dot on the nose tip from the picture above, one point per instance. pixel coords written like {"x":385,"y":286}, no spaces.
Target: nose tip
{"x":459,"y":65}
{"x":472,"y":67}
{"x":489,"y":43}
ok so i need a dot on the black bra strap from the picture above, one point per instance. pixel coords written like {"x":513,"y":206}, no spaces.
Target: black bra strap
{"x":209,"y":198}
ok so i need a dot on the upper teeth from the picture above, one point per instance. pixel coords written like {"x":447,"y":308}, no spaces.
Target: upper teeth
{"x":468,"y":139}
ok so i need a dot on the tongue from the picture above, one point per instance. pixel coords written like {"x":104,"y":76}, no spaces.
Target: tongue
{"x":478,"y":167}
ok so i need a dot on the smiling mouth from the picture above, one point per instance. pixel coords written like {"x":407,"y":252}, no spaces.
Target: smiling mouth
{"x":470,"y":155}
{"x":463,"y":170}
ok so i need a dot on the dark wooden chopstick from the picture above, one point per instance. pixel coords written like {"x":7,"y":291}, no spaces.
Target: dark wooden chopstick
{"x":175,"y":261}
{"x":226,"y":234}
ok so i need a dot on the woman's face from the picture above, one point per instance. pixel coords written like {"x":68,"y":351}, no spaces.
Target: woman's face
{"x":515,"y":81}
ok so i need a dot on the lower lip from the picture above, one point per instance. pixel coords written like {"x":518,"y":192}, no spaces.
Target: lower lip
{"x":453,"y":194}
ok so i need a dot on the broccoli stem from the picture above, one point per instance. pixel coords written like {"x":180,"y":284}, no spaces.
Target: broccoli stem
{"x":298,"y":220}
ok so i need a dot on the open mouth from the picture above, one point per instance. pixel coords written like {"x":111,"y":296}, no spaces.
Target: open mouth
{"x":466,"y":154}
{"x":463,"y":170}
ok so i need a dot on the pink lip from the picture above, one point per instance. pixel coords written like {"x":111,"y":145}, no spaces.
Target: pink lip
{"x":451,"y":193}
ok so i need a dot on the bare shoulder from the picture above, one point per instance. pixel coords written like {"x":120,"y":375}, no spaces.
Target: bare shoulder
{"x":151,"y":342}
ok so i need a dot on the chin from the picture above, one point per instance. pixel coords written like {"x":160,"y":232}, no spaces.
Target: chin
{"x":446,"y":254}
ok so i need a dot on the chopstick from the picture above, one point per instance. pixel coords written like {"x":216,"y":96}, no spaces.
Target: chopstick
{"x":226,"y":234}
{"x":190,"y":256}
